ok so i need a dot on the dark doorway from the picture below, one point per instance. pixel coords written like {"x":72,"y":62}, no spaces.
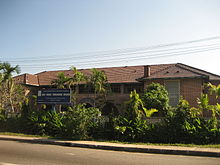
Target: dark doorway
{"x":109,"y":109}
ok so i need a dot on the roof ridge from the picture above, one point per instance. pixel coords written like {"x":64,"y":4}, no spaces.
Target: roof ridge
{"x":190,"y":70}
{"x":52,"y":71}
{"x":179,"y":64}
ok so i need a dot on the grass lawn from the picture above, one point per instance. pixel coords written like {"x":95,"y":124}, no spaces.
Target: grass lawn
{"x":21,"y":134}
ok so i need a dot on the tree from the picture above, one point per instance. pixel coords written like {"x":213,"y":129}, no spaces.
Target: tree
{"x":11,"y":94}
{"x":76,"y":78}
{"x":98,"y":81}
{"x":61,"y":81}
{"x":156,"y":96}
{"x":6,"y":71}
{"x":74,"y":81}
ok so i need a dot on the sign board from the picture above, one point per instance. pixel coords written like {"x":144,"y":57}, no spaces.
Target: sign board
{"x":54,"y":96}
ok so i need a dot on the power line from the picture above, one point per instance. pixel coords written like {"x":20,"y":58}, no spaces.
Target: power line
{"x":134,"y":58}
{"x":118,"y":55}
{"x":117,"y":51}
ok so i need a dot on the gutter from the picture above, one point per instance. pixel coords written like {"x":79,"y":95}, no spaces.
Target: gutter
{"x":169,"y":78}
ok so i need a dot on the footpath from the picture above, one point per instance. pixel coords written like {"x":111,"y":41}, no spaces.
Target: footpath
{"x":177,"y":150}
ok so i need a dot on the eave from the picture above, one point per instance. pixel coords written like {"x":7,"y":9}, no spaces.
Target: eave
{"x":171,"y":78}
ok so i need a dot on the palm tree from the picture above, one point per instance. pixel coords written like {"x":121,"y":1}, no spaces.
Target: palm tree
{"x":1,"y":78}
{"x":1,"y":74}
{"x":6,"y":72}
{"x":76,"y":78}
{"x":61,"y":81}
{"x":98,"y":80}
{"x":74,"y":81}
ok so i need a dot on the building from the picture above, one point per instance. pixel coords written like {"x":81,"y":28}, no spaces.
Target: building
{"x":180,"y":80}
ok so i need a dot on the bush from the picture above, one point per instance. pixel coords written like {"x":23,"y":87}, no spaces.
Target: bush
{"x":79,"y":122}
{"x":156,"y":96}
{"x":181,"y":125}
{"x":131,"y":130}
{"x":34,"y":122}
{"x":2,"y":122}
{"x":185,"y":125}
{"x":133,"y":125}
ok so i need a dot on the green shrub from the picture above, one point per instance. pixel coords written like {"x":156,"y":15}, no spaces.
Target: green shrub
{"x":133,"y":125}
{"x":131,"y":130}
{"x":54,"y":124}
{"x":2,"y":122}
{"x":186,"y":125}
{"x":156,"y":97}
{"x":79,"y":122}
{"x":34,"y":123}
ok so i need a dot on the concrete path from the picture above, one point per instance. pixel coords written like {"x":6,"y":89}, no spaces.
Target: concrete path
{"x":194,"y":151}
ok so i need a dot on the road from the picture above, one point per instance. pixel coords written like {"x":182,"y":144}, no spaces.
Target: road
{"x":20,"y":153}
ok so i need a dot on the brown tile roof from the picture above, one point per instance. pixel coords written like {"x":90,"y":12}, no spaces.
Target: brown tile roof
{"x":32,"y":79}
{"x":114,"y":74}
{"x":127,"y":74}
{"x":45,"y":78}
{"x":19,"y":79}
{"x":211,"y":75}
{"x":181,"y":71}
{"x":28,"y":79}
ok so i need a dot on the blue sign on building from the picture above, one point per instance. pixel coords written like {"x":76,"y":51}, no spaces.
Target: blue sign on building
{"x":54,"y":96}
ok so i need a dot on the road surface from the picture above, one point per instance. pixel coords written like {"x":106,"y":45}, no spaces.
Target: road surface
{"x":20,"y":153}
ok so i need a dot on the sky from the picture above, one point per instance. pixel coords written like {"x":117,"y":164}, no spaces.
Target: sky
{"x":43,"y":35}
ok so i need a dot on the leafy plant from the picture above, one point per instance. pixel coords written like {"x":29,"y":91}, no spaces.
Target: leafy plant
{"x":135,"y":108}
{"x":98,"y":81}
{"x":11,"y":94}
{"x":155,"y":96}
{"x":133,"y":125}
{"x":79,"y":121}
{"x":130,"y":130}
{"x":61,"y":81}
{"x":214,"y":89}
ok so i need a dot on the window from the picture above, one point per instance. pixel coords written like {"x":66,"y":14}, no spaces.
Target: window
{"x":173,"y":88}
{"x":131,"y":87}
{"x":116,"y":88}
{"x":84,"y":89}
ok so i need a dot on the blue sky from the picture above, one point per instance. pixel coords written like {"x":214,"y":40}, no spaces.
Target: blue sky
{"x":43,"y":35}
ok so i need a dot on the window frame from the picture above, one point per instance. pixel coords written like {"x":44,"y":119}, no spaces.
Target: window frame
{"x":179,"y":90}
